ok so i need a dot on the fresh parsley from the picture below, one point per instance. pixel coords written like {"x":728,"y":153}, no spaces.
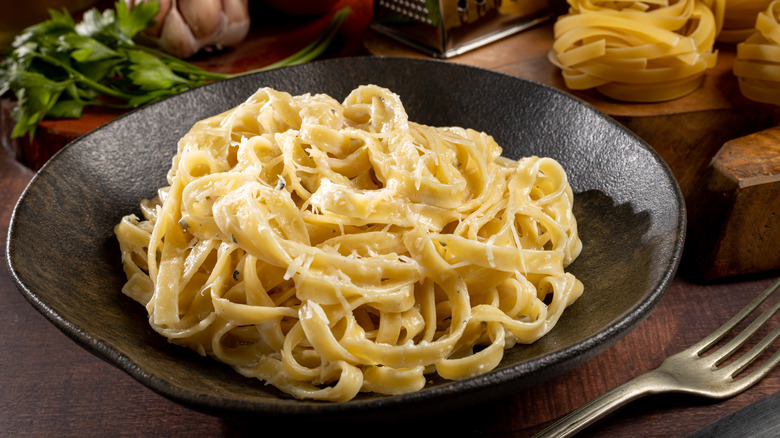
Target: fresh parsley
{"x":58,"y":67}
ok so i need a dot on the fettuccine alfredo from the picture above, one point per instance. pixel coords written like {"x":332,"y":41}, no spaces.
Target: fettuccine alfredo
{"x":331,"y":248}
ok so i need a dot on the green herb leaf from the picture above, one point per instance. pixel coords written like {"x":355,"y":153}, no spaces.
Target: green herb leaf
{"x":99,"y":70}
{"x":140,"y":18}
{"x":36,"y":96}
{"x":85,"y":49}
{"x":67,"y":109}
{"x":102,"y":27}
{"x":150,"y":73}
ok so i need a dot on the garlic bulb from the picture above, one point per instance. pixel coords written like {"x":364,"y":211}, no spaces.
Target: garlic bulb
{"x":186,"y":26}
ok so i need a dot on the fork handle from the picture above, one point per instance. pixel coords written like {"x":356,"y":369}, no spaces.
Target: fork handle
{"x":652,"y":382}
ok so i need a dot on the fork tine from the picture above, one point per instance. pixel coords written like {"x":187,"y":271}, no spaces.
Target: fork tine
{"x":721,"y":331}
{"x":740,"y":364}
{"x":757,"y":374}
{"x":732,"y":346}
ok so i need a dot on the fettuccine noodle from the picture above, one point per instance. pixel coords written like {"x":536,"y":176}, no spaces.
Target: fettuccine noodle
{"x":331,"y":249}
{"x":757,"y":65}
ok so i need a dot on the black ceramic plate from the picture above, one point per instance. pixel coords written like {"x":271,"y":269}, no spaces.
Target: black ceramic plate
{"x":65,"y":260}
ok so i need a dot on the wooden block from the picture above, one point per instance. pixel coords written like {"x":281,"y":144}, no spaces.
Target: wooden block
{"x":734,"y":214}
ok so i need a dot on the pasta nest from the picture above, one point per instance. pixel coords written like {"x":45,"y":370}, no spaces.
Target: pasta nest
{"x":757,"y":64}
{"x":637,"y":51}
{"x":739,"y":19}
{"x":334,"y":248}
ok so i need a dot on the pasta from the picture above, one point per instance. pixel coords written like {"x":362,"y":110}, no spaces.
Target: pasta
{"x":740,"y":19}
{"x":757,"y":64}
{"x":331,"y":248}
{"x":637,"y":51}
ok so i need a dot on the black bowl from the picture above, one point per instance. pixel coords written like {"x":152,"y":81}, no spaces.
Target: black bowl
{"x":65,"y":259}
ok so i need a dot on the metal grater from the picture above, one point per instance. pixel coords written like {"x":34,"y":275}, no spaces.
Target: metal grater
{"x":447,"y":28}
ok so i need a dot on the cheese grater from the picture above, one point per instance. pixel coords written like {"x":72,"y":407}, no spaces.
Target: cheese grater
{"x":447,"y":28}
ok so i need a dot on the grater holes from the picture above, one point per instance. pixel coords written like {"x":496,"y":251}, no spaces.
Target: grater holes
{"x":415,"y":10}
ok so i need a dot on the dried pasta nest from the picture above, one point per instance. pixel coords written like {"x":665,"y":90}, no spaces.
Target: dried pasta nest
{"x":757,"y":65}
{"x":637,"y":51}
{"x":739,"y":19}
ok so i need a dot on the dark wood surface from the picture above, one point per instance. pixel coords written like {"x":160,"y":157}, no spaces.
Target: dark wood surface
{"x":49,"y":386}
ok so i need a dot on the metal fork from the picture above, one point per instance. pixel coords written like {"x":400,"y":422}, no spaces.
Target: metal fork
{"x":689,"y":371}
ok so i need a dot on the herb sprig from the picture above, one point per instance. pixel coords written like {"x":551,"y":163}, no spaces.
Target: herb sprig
{"x":58,"y":67}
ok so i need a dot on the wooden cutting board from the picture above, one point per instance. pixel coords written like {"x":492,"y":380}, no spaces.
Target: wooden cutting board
{"x":741,"y":236}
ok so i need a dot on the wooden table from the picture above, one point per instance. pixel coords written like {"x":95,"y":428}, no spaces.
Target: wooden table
{"x":52,"y":387}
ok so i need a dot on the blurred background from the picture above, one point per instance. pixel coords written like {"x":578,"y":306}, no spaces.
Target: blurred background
{"x":16,"y":15}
